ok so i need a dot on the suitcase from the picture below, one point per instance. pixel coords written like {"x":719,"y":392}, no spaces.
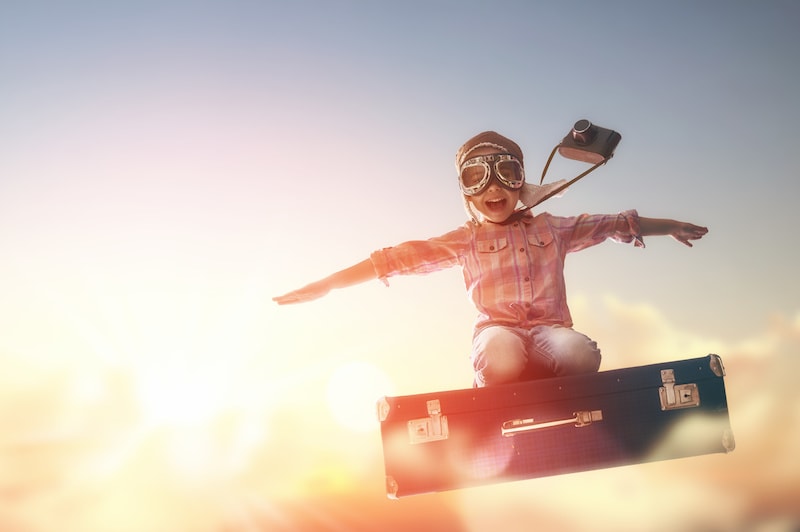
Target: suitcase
{"x":460,"y":438}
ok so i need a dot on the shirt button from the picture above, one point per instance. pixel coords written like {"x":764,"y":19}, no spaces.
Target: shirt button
{"x":522,"y":250}
{"x":491,"y":248}
{"x":527,"y":279}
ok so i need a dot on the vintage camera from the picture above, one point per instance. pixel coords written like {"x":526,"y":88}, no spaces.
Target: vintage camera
{"x":589,"y":143}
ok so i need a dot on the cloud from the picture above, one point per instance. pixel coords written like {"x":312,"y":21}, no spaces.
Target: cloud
{"x":77,"y":454}
{"x":637,"y":334}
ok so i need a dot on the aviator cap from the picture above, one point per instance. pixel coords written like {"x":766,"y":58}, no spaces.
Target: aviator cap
{"x":489,"y":139}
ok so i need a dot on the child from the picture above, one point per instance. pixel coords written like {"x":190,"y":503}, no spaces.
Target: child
{"x":513,"y":265}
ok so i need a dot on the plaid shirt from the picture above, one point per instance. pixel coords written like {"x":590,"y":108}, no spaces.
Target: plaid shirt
{"x":514,"y":273}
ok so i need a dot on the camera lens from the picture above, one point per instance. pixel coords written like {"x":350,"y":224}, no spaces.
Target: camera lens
{"x":583,"y":132}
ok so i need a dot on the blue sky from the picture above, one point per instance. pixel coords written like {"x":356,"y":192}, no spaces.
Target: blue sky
{"x":168,"y":167}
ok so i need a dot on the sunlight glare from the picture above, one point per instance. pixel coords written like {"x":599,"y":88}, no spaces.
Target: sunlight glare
{"x":353,"y":391}
{"x":179,"y":398}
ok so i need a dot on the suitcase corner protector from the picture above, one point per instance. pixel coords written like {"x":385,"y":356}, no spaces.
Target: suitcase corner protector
{"x":716,"y":365}
{"x":728,"y":441}
{"x":382,"y":409}
{"x":391,"y":487}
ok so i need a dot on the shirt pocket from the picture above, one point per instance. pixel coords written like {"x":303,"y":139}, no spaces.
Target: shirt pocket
{"x":492,"y":245}
{"x":541,"y":240}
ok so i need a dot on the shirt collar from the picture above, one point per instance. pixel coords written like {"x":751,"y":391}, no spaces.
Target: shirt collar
{"x":525,"y":216}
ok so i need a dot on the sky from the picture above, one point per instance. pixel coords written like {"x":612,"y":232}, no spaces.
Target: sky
{"x":166,"y":168}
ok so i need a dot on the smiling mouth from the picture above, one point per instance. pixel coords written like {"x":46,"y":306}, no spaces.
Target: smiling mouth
{"x":496,"y":204}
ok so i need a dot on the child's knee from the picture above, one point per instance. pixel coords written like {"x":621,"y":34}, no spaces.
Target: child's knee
{"x":585,"y":360}
{"x":498,"y":368}
{"x":571,"y":352}
{"x":498,"y":357}
{"x":582,"y":356}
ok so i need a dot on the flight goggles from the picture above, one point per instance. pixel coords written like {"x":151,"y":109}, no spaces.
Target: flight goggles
{"x":475,"y":174}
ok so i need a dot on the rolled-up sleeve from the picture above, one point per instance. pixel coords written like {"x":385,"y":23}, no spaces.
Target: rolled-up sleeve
{"x":629,"y":230}
{"x":588,"y":230}
{"x":381,"y":264}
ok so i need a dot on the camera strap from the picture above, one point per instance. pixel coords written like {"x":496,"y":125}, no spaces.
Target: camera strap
{"x":565,"y":185}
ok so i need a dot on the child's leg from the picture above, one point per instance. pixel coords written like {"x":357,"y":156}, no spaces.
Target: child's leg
{"x":498,"y":356}
{"x":563,"y":350}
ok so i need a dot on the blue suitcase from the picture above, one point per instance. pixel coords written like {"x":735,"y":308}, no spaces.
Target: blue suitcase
{"x":460,"y":438}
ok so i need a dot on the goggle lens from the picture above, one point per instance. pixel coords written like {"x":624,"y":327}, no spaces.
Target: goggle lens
{"x":510,"y":173}
{"x":473,"y":177}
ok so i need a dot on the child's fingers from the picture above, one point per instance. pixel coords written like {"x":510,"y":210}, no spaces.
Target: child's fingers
{"x":307,"y":293}
{"x":287,"y":299}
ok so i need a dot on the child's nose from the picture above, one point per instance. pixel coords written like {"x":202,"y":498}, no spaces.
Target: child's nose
{"x":494,"y":181}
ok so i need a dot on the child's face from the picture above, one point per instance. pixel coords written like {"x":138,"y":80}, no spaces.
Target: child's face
{"x":496,"y":203}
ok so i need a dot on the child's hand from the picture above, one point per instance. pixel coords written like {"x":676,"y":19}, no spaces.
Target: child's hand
{"x":301,"y":295}
{"x":683,"y":232}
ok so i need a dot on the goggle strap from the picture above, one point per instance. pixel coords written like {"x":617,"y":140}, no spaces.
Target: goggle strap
{"x":463,"y":157}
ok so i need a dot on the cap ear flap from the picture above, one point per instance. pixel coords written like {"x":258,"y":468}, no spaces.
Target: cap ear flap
{"x":473,"y":216}
{"x":531,"y":195}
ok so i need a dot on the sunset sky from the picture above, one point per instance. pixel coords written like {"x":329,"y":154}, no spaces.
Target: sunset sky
{"x":166,"y":168}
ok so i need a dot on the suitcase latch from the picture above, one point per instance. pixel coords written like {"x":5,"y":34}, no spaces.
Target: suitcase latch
{"x":674,"y":396}
{"x":431,"y":428}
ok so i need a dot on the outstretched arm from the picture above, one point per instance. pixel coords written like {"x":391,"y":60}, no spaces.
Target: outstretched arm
{"x":683,"y":232}
{"x":358,"y":273}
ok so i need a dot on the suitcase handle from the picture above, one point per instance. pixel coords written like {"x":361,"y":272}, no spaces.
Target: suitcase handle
{"x":580,"y":419}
